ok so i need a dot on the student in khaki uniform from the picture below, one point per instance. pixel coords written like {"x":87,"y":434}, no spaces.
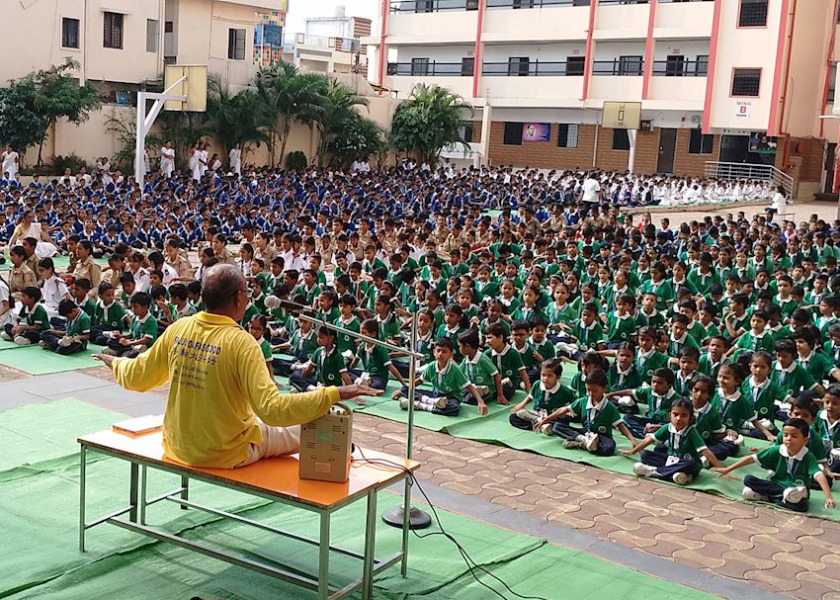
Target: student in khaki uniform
{"x":20,"y":276}
{"x":86,"y":267}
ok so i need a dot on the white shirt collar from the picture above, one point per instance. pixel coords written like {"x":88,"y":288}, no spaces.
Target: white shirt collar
{"x":550,"y":390}
{"x":503,"y":352}
{"x":731,"y":398}
{"x":599,"y":406}
{"x":789,"y":369}
{"x":798,"y":456}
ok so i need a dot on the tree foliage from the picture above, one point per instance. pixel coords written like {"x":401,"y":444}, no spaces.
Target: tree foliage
{"x":239,"y":118}
{"x":31,"y":105}
{"x":429,"y":120}
{"x":358,"y":138}
{"x":339,"y":104}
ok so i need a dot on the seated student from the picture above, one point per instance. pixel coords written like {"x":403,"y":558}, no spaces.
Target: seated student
{"x":109,"y":315}
{"x":679,"y":447}
{"x":622,"y":373}
{"x":53,"y":290}
{"x":648,"y":357}
{"x":621,"y":325}
{"x":736,"y":410}
{"x":547,"y":397}
{"x":495,"y":311}
{"x":180,"y":298}
{"x":586,"y":331}
{"x":521,"y":343}
{"x":648,"y":315}
{"x":689,"y":361}
{"x":129,"y":288}
{"x":818,"y":365}
{"x":347,"y":319}
{"x":448,"y":384}
{"x":454,"y":324}
{"x":707,"y":415}
{"x":712,"y":358}
{"x":790,"y":376}
{"x":736,"y":321}
{"x":194,"y":295}
{"x":31,"y":321}
{"x":827,"y":428}
{"x":803,"y":407}
{"x":679,"y":338}
{"x":386,"y":317}
{"x":81,"y":296}
{"x":597,"y":415}
{"x":479,"y":369}
{"x":708,"y":326}
{"x":507,"y":361}
{"x":658,"y":398}
{"x":762,"y":393}
{"x":257,"y":328}
{"x":759,"y":337}
{"x":75,"y":337}
{"x":793,"y":466}
{"x":142,"y":332}
{"x":162,"y":311}
{"x":375,"y":361}
{"x":327,"y":364}
{"x":301,"y":345}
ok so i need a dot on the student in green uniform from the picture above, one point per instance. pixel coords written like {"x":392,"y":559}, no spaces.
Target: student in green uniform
{"x":109,"y":315}
{"x":648,"y":358}
{"x":689,"y":361}
{"x":448,"y":384}
{"x":257,"y":328}
{"x":792,"y":465}
{"x":376,"y":365}
{"x":347,"y":319}
{"x":803,"y":407}
{"x":142,"y":332}
{"x":658,"y":398}
{"x":712,"y":359}
{"x":707,"y":416}
{"x":81,"y":295}
{"x":759,"y":337}
{"x":622,"y":373}
{"x":75,"y":337}
{"x":32,"y":319}
{"x":679,"y":446}
{"x":547,"y":396}
{"x":587,"y":331}
{"x":507,"y":361}
{"x":621,"y":325}
{"x":827,"y":428}
{"x":680,"y":338}
{"x":762,"y":392}
{"x":818,"y":365}
{"x":790,"y":376}
{"x":596,"y":415}
{"x":327,"y":364}
{"x":301,"y":345}
{"x":479,"y":369}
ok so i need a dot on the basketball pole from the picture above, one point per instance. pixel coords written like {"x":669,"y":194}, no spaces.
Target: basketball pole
{"x":145,"y":120}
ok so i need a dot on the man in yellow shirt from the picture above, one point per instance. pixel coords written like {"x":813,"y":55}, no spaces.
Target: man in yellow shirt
{"x":223,"y":410}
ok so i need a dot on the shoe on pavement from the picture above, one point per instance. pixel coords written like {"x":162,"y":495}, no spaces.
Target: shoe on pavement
{"x":643,"y":470}
{"x":681,"y":478}
{"x":750,"y":494}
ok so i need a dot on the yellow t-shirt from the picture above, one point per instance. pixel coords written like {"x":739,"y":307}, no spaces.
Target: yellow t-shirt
{"x":218,"y":386}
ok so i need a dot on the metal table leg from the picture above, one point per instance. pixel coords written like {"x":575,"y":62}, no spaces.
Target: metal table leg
{"x":406,"y":526}
{"x":370,"y":547}
{"x":324,"y":558}
{"x":82,"y":483}
{"x":132,"y":492}
{"x":185,"y":495}
{"x":143,"y":473}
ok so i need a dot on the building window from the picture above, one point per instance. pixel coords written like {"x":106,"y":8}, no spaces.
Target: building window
{"x":69,"y":33}
{"x":675,"y":65}
{"x":113,"y":30}
{"x":630,"y":65}
{"x":152,"y":35}
{"x":519,"y":66}
{"x":467,"y":66}
{"x":753,"y":13}
{"x":621,"y":141}
{"x":424,"y":6}
{"x":236,"y":44}
{"x":746,"y":82}
{"x":468,"y":133}
{"x":168,"y":27}
{"x":832,"y":80}
{"x":567,"y":135}
{"x":575,"y":65}
{"x":702,"y":64}
{"x":420,"y":67}
{"x":699,"y":143}
{"x":522,"y":4}
{"x":472,"y":4}
{"x":513,"y":134}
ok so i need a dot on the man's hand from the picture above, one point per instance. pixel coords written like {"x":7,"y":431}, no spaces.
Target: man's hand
{"x":356,"y":391}
{"x":106,"y":359}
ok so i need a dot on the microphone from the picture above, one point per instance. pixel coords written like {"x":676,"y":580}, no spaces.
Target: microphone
{"x":272,"y":302}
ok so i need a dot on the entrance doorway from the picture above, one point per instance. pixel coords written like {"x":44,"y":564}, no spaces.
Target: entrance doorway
{"x":667,"y":147}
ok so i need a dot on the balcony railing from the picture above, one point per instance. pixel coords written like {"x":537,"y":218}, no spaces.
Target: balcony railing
{"x":534,"y":68}
{"x":430,"y":69}
{"x":684,"y":68}
{"x":619,"y":67}
{"x":431,"y":6}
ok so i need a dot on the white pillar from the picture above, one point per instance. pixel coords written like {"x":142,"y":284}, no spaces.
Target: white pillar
{"x":631,"y":159}
{"x":486,"y":121}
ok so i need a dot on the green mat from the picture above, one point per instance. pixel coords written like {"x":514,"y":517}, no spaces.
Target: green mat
{"x":390,"y":409}
{"x":5,"y":345}
{"x":37,"y":361}
{"x":38,"y":556}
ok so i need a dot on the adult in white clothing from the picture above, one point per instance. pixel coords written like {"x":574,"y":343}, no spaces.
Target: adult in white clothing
{"x":10,"y":161}
{"x":26,"y":227}
{"x":235,"y":158}
{"x":778,"y":204}
{"x":167,"y":160}
{"x":195,"y":157}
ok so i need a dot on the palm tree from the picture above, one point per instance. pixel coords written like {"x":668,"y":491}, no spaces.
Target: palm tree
{"x":338,"y":104}
{"x":235,"y":119}
{"x":429,"y":120}
{"x":289,"y":97}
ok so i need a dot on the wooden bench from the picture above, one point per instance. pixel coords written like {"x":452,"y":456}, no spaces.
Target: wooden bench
{"x":274,"y":479}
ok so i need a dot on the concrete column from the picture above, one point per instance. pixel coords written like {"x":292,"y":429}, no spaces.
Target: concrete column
{"x":486,"y":121}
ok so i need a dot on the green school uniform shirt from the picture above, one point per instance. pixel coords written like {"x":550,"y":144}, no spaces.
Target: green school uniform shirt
{"x":344,"y":341}
{"x":647,"y":363}
{"x":389,"y":327}
{"x":762,"y":397}
{"x":449,"y":381}
{"x":265,"y":346}
{"x":551,"y":399}
{"x":489,"y":289}
{"x":480,"y":370}
{"x":792,"y":380}
{"x":750,"y":341}
{"x":814,"y":445}
{"x":685,"y":444}
{"x":145,"y":327}
{"x":788,"y":471}
{"x":508,"y":362}
{"x":655,"y":320}
{"x":36,"y":316}
{"x":708,"y":366}
{"x":112,"y":316}
{"x":564,"y":314}
{"x":682,"y":383}
{"x":303,"y":346}
{"x":787,"y":306}
{"x":702,"y":282}
{"x":663,"y":291}
{"x":250,"y":312}
{"x":544,"y":348}
{"x":598,"y":418}
{"x":329,"y":365}
{"x":618,"y":380}
{"x":675,"y":345}
{"x":588,"y":337}
{"x":659,"y":407}
{"x":485,"y":323}
{"x":375,"y":360}
{"x":697,"y":331}
{"x":832,"y":351}
{"x":620,"y":327}
{"x":708,"y":421}
{"x":523,"y":313}
{"x":818,"y":365}
{"x":79,"y":326}
{"x":826,"y":431}
{"x":88,"y":307}
{"x":735,"y":409}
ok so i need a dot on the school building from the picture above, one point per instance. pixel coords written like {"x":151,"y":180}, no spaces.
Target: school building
{"x":726,"y":86}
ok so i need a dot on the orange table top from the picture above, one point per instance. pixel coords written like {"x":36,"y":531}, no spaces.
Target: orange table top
{"x":276,"y":477}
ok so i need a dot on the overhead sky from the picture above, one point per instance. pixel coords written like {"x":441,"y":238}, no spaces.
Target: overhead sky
{"x":302,"y":9}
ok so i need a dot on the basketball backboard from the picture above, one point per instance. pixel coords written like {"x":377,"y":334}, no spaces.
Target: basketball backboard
{"x":622,"y":115}
{"x":194,"y":87}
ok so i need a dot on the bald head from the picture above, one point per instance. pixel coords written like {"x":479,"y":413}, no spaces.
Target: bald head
{"x":220,"y":285}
